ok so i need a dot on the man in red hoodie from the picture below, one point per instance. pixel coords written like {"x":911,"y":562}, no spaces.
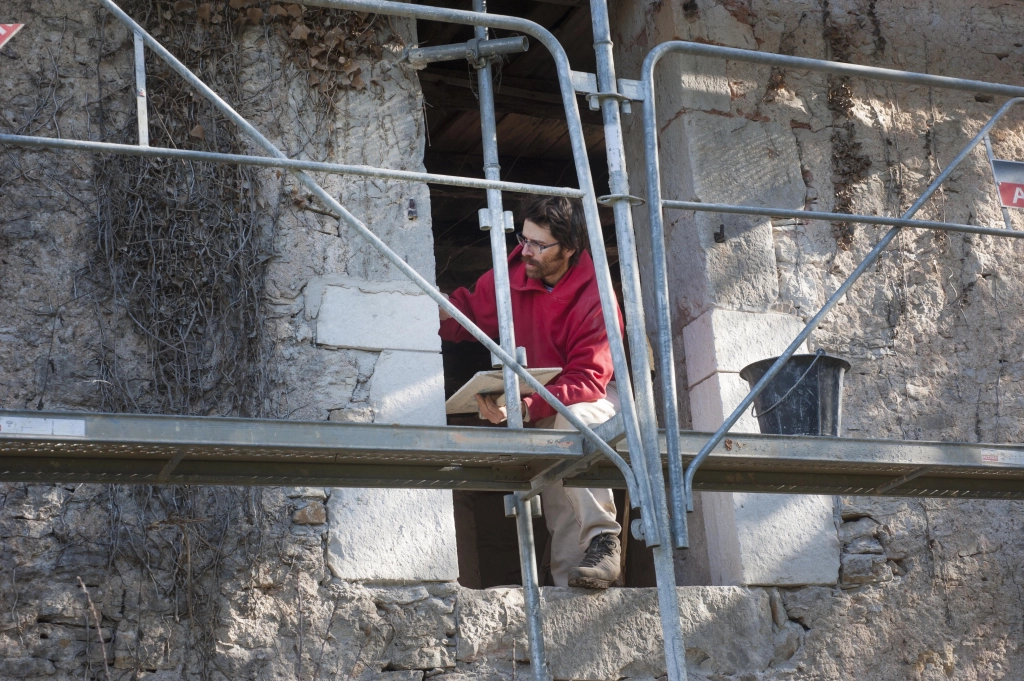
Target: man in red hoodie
{"x":557,"y":317}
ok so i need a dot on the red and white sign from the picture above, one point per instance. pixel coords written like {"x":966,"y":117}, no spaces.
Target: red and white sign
{"x":1010,"y":180}
{"x":1011,"y":195}
{"x":7,"y":32}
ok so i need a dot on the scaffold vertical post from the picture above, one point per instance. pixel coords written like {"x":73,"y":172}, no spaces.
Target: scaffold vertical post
{"x":506,"y":330}
{"x":621,"y":201}
{"x":523,"y":510}
{"x":496,"y":224}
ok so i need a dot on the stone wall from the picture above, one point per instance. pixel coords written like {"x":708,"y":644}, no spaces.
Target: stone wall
{"x":925,"y":588}
{"x":210,"y":583}
{"x":205,"y":582}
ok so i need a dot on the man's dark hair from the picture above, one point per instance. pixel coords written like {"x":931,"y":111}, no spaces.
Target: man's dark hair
{"x":561,"y":216}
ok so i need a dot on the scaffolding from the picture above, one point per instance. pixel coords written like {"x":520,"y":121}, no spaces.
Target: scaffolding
{"x":629,"y":450}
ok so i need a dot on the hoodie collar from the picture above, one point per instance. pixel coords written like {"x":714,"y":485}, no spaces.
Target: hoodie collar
{"x":578,"y":276}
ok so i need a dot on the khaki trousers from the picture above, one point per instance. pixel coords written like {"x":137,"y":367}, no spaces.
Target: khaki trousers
{"x":574,"y":515}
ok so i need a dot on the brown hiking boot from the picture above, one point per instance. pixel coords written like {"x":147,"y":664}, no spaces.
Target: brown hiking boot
{"x":600,"y":567}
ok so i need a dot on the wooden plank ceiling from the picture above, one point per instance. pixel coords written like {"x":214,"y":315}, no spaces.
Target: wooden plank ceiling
{"x":533,"y":141}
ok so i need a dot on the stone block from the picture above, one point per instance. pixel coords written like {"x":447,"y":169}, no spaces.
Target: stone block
{"x":811,"y":605}
{"x":864,"y":568}
{"x":727,"y":340}
{"x":424,"y":630}
{"x":306,"y":492}
{"x":408,"y":388}
{"x":864,"y":545}
{"x":736,"y":160}
{"x":366,"y":315}
{"x":788,"y":640}
{"x":862,"y":527}
{"x":491,"y":624}
{"x":404,"y":675}
{"x":712,"y":400}
{"x":22,"y":667}
{"x":617,"y":633}
{"x":313,"y":513}
{"x":786,"y":539}
{"x":779,"y":614}
{"x":394,"y":535}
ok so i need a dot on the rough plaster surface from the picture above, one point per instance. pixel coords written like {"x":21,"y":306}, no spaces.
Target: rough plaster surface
{"x":932,"y":330}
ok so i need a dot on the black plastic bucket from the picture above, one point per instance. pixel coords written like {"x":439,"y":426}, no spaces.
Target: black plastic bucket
{"x":804,"y":398}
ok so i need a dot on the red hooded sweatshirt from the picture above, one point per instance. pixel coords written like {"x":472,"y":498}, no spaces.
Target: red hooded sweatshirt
{"x":561,"y":328}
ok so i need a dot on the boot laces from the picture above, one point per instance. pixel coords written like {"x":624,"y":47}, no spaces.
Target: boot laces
{"x":600,"y":548}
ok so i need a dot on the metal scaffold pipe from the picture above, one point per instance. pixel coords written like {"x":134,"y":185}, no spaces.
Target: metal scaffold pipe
{"x":812,"y":324}
{"x":609,"y":308}
{"x":834,"y":67}
{"x":478,"y":48}
{"x":673,"y":528}
{"x":629,"y":269}
{"x":287,"y":163}
{"x":499,"y":253}
{"x":351,"y":221}
{"x":656,"y":205}
{"x":839,"y":217}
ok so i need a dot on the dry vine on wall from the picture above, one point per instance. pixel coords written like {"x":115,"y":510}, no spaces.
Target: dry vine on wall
{"x":183,"y":250}
{"x":184,"y":246}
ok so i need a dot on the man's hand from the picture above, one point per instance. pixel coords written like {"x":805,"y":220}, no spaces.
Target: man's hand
{"x":490,"y":411}
{"x":444,"y":315}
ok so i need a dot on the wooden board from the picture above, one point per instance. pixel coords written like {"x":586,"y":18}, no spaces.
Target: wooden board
{"x":491,"y":383}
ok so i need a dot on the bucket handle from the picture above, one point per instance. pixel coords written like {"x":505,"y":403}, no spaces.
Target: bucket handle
{"x":817,"y":355}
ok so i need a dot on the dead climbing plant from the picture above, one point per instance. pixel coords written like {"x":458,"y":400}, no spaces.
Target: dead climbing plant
{"x":849,"y":164}
{"x":326,"y":45}
{"x":183,"y":247}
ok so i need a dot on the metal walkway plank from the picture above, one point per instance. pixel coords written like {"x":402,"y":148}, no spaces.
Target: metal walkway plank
{"x":80,"y":447}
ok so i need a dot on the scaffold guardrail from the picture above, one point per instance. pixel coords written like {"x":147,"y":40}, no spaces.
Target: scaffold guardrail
{"x":629,"y":450}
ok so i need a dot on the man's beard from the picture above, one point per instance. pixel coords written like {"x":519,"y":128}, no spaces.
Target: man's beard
{"x":543,"y":270}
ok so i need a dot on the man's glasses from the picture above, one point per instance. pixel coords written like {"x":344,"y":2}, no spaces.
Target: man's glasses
{"x":531,"y":244}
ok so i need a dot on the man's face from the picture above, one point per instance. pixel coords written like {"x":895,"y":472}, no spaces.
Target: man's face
{"x":548,"y":264}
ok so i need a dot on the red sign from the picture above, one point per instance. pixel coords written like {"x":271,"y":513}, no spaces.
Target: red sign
{"x":7,"y":32}
{"x":1011,"y":195}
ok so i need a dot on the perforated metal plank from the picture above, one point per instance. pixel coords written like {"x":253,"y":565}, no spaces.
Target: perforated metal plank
{"x":234,"y":472}
{"x":135,"y":449}
{"x":78,"y":447}
{"x":793,"y":464}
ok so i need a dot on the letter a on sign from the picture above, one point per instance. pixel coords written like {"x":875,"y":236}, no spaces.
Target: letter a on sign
{"x":7,"y":32}
{"x":1011,"y":194}
{"x":1009,"y":176}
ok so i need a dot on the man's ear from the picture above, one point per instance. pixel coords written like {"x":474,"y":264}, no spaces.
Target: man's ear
{"x":569,"y":252}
